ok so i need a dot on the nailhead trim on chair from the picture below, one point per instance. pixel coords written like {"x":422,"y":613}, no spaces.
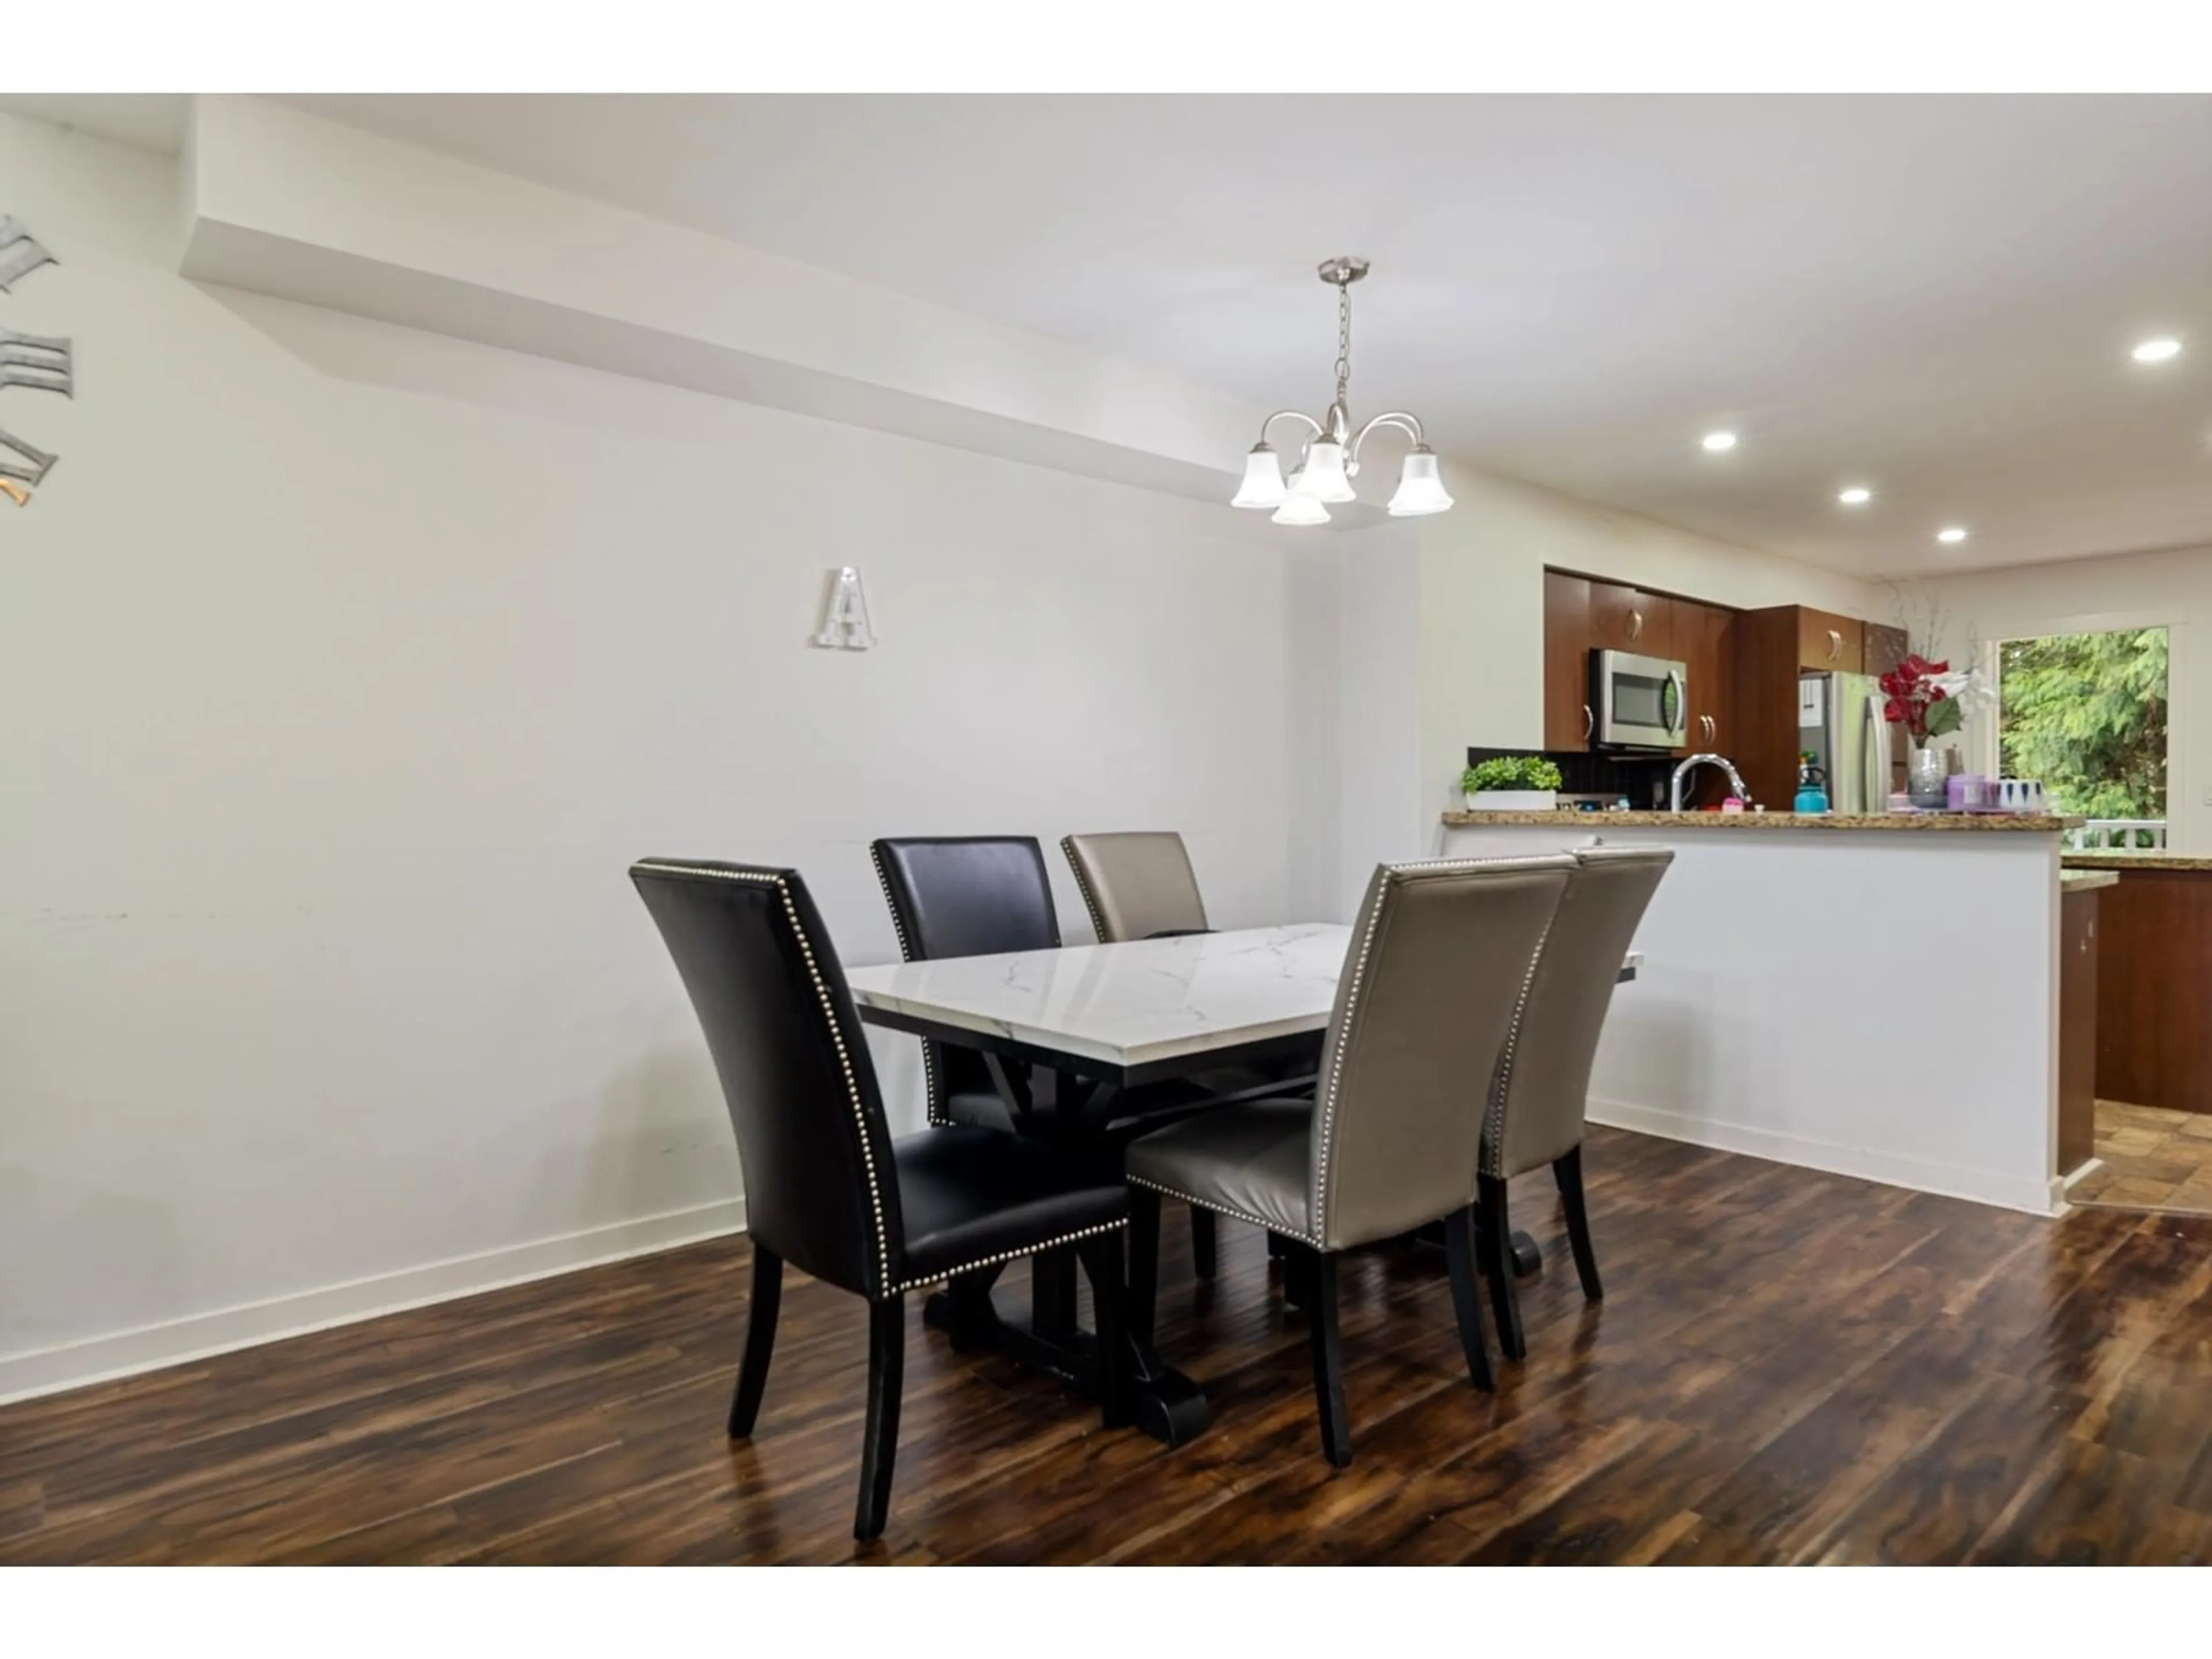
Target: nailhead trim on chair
{"x":933,"y":1107}
{"x":830,"y":1019}
{"x":1493,"y":1144}
{"x":1013,"y":1255}
{"x":1336,"y":1061}
{"x":1223,"y":1209}
{"x":1082,"y":886}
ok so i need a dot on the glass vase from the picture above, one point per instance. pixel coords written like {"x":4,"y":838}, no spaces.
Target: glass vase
{"x":1924,"y":783}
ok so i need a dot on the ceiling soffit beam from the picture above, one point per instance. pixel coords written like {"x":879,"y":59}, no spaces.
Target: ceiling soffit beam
{"x":289,"y":204}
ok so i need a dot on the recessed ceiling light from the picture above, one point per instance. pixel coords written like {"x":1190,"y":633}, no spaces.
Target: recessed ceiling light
{"x":1856,"y":495}
{"x":1719,"y":442}
{"x":1954,"y":533}
{"x":2156,"y":352}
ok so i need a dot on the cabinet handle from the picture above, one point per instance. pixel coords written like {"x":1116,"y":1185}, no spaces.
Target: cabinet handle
{"x":1835,"y":645}
{"x":1589,"y":723}
{"x":1636,"y":624}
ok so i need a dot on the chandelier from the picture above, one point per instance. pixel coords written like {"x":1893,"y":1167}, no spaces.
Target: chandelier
{"x":1329,"y":458}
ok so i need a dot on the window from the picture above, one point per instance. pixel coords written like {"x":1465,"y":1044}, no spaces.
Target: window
{"x":2087,"y":713}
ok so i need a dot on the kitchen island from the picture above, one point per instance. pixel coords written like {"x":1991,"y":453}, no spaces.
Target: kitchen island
{"x":1876,"y":996}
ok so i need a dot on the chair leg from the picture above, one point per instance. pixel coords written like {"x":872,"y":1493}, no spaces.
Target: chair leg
{"x":1278,"y":1246}
{"x":1101,"y":1259}
{"x":1466,"y":1299}
{"x":760,"y":1342}
{"x":1144,"y":1262}
{"x":1327,"y":1357}
{"x":1204,"y":1242}
{"x":1568,"y":1172}
{"x":1496,"y":1234}
{"x":886,"y":1377}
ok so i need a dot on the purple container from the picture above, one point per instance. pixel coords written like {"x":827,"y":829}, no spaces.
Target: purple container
{"x":1967,"y":791}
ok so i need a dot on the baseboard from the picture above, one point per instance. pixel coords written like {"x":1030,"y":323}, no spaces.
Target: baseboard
{"x":175,"y":1342}
{"x":2034,"y":1195}
{"x":2062,"y":1186}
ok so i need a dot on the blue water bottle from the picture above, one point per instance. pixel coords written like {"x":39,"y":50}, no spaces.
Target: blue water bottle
{"x":1812,"y":784}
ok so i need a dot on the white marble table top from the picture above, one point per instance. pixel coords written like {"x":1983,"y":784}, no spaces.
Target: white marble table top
{"x":1130,"y":1003}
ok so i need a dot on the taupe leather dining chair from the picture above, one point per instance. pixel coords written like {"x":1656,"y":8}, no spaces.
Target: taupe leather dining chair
{"x":1441,"y":951}
{"x":1541,"y":1087}
{"x":1137,"y":884}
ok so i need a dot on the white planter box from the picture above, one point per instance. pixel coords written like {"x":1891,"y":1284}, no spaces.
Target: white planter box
{"x":1512,"y":800}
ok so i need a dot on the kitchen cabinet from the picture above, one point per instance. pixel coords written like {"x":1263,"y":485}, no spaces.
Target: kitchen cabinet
{"x":1825,"y":641}
{"x":1886,"y":647}
{"x":1566,"y":661}
{"x":1629,"y":619}
{"x":1704,"y":641}
{"x":2077,"y":1026}
{"x":2155,"y":986}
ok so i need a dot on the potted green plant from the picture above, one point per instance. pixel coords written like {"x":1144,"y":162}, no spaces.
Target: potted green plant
{"x":1512,"y":783}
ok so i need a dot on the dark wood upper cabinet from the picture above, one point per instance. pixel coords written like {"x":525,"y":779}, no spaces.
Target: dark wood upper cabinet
{"x":1740,"y":671}
{"x":1566,"y":661}
{"x":1827,"y":641}
{"x":1704,"y":640}
{"x":1886,"y":647}
{"x":1630,"y":619}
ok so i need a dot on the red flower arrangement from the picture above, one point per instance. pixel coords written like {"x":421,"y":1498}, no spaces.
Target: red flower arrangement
{"x":1917,"y":703}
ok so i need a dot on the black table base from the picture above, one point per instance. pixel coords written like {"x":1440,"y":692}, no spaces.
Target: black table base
{"x":1072,"y":1108}
{"x":1164,"y":1403}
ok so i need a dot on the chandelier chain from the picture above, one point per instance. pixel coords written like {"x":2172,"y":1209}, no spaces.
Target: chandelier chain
{"x":1343,"y":343}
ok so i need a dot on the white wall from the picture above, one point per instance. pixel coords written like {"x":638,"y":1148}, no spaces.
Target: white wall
{"x":2141,"y":590}
{"x":347,"y":667}
{"x":345,"y":670}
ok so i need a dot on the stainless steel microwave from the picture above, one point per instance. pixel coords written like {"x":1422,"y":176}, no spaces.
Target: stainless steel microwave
{"x":1638,"y":702}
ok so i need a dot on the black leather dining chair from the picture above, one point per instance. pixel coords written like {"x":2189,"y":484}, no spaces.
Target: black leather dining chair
{"x":827,"y":1187}
{"x":965,"y":895}
{"x":972,"y":896}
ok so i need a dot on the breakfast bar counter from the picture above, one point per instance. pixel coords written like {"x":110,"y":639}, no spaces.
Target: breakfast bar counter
{"x":1878,"y":997}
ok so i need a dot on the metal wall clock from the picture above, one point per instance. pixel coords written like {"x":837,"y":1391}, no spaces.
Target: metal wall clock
{"x":36,"y":362}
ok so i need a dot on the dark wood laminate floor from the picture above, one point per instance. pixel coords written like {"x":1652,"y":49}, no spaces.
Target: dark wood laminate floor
{"x":1788,"y":1367}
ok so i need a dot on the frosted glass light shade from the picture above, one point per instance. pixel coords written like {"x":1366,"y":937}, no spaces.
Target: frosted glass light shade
{"x":1421,"y":490}
{"x":1263,"y":483}
{"x":1300,"y":509}
{"x":1322,"y":477}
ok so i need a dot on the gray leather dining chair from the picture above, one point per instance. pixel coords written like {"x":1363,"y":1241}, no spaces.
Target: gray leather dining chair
{"x":1541,"y":1087}
{"x":1137,"y":884}
{"x":1441,"y":951}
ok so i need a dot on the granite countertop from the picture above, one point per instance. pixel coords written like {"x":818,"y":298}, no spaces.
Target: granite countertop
{"x":1916,"y":822}
{"x":2116,"y":861}
{"x":2087,"y":881}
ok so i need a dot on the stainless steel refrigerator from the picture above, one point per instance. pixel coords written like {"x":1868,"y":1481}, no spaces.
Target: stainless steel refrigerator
{"x":1839,"y":719}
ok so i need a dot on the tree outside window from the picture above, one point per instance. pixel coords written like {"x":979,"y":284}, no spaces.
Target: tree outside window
{"x":2087,"y":713}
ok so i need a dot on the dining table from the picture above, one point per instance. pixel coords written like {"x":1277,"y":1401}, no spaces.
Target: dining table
{"x":1070,"y":1035}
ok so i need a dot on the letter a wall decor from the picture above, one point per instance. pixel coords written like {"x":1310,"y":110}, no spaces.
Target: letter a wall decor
{"x":845,"y":617}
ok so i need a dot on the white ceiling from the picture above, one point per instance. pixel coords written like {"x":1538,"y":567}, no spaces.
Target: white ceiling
{"x":1934,"y":296}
